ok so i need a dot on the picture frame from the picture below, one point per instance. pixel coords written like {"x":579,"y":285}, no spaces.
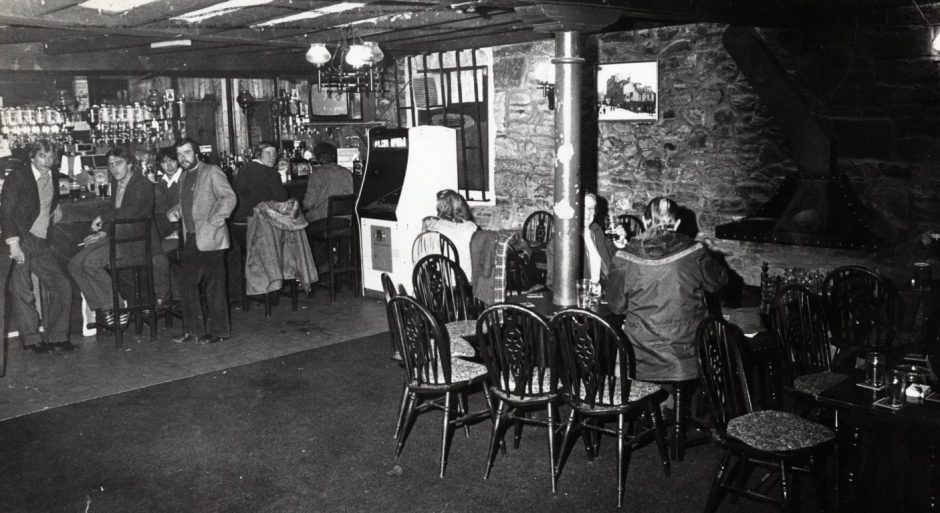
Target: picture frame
{"x":628,"y":91}
{"x":326,"y":103}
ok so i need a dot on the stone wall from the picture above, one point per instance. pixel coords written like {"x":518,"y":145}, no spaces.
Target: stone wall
{"x":715,"y":148}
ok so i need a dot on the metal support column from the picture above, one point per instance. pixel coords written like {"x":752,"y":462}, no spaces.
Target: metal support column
{"x":567,"y":207}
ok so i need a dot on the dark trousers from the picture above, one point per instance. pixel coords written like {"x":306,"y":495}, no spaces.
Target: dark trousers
{"x":209,"y":267}
{"x":5,"y":264}
{"x":56,"y":298}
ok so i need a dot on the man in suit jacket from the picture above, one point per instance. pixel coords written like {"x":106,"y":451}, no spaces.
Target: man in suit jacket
{"x":132,"y":197}
{"x":29,"y":209}
{"x":206,"y":201}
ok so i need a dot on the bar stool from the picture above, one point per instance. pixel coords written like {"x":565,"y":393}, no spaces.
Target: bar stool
{"x":341,"y":236}
{"x":127,"y":238}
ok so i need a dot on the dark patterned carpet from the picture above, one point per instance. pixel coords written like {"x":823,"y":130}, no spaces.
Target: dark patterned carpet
{"x":308,"y":432}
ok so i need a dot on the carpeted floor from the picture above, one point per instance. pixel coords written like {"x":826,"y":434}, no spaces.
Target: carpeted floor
{"x":306,"y":432}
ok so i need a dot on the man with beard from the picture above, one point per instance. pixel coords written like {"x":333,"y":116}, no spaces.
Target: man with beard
{"x":206,"y":201}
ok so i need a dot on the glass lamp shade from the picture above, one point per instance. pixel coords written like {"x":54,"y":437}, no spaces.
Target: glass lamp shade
{"x":358,"y":55}
{"x":377,"y":53}
{"x":936,"y":41}
{"x":318,"y":54}
{"x":544,"y":72}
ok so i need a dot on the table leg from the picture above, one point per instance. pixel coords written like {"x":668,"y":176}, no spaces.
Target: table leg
{"x":848,"y":489}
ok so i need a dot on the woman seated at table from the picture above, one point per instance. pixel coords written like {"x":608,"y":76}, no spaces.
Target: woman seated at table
{"x":657,"y":283}
{"x":455,"y":221}
{"x":598,"y":248}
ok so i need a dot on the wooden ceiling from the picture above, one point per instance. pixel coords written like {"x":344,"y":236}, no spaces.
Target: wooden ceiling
{"x":63,"y":35}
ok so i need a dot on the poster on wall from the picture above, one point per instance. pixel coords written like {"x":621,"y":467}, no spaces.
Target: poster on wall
{"x":628,"y":91}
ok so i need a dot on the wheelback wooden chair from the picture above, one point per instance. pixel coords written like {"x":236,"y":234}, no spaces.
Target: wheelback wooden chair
{"x":435,"y":379}
{"x":778,"y":441}
{"x":441,"y":286}
{"x":597,"y":372}
{"x":517,"y":347}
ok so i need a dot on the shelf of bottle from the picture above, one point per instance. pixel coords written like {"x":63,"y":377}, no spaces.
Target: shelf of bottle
{"x":368,"y":124}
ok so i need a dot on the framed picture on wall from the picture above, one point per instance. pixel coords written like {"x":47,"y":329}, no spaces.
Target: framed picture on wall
{"x":628,"y":91}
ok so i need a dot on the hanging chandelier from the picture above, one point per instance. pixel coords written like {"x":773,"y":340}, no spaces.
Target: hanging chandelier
{"x":348,"y":68}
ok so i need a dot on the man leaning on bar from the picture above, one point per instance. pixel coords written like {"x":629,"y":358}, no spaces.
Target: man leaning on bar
{"x":29,"y":209}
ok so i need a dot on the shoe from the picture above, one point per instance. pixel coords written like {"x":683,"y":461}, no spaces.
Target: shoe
{"x":63,"y":346}
{"x":126,"y":316}
{"x":108,"y":317}
{"x":41,"y":347}
{"x":184,"y":337}
{"x":396,"y":356}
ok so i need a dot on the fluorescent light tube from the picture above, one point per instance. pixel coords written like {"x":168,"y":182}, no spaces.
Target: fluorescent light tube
{"x":218,"y":10}
{"x":316,"y":13}
{"x":171,"y":43}
{"x":114,"y":5}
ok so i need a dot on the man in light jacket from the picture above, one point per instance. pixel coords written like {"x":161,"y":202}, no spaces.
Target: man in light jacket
{"x":206,"y":201}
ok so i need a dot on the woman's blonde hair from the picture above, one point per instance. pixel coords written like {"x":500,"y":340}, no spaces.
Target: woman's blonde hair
{"x":661,"y":212}
{"x":452,"y":207}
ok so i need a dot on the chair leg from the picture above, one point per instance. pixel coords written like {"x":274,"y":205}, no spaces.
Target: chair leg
{"x":550,"y":417}
{"x":566,"y":443}
{"x":401,"y":409}
{"x":462,"y":410}
{"x":679,"y":433}
{"x":410,"y":415}
{"x":494,"y":439}
{"x":718,"y":490}
{"x":660,"y":433}
{"x":293,"y":296}
{"x":267,"y":304}
{"x":329,"y":267}
{"x":786,"y":489}
{"x":246,"y":301}
{"x":445,"y":432}
{"x":520,"y":421}
{"x":590,"y":441}
{"x":621,"y":467}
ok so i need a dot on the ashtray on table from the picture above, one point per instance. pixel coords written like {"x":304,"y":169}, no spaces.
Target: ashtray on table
{"x":883,"y":403}
{"x":869,"y":386}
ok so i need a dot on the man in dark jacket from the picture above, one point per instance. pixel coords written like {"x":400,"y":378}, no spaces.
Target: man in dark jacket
{"x":132,"y":198}
{"x":657,"y":283}
{"x":29,"y":209}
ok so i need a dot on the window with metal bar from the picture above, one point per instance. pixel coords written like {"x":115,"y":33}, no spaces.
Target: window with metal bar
{"x":453,"y":89}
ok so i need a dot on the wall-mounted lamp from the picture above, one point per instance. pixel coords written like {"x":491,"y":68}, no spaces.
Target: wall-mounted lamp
{"x":544,"y":76}
{"x":247,"y":102}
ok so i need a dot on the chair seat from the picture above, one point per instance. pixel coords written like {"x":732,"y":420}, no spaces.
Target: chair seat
{"x":460,"y":371}
{"x":457,"y":330}
{"x":778,"y":431}
{"x":532,"y":390}
{"x":639,"y":390}
{"x":816,"y":383}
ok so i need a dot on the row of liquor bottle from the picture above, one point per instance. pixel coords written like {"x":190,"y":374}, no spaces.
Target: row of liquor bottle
{"x":107,"y":124}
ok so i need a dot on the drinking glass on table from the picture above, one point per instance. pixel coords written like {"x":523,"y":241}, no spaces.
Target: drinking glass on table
{"x":896,"y":393}
{"x":874,"y":369}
